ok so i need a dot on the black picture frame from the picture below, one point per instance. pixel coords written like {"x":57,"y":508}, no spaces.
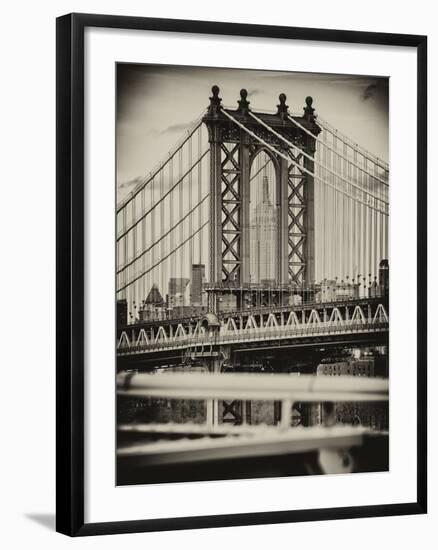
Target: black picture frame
{"x":70,"y":273}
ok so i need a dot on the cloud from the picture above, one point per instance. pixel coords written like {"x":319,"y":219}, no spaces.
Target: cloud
{"x":254,"y":91}
{"x":369,"y":91}
{"x":157,"y":184}
{"x":178,"y":127}
{"x":130,"y":183}
{"x":355,"y":81}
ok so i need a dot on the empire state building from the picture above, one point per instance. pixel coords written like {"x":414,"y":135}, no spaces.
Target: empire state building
{"x":263,"y":242}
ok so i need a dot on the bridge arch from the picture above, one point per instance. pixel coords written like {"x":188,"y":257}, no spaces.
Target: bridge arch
{"x":260,"y":149}
{"x":264,"y":229}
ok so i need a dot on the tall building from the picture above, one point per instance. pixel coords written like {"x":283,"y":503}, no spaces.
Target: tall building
{"x":178,"y":292}
{"x":263,"y":241}
{"x":384,"y":277}
{"x":122,"y":313}
{"x":197,"y":280}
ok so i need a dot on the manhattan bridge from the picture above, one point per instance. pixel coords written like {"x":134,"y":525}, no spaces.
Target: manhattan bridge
{"x":258,"y":245}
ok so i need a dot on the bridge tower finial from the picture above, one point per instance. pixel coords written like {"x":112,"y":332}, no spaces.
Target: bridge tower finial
{"x":282,"y":108}
{"x":309,"y":110}
{"x":215,"y":102}
{"x":243,"y":102}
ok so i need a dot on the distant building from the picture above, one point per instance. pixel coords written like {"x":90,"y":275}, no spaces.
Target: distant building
{"x":328,"y":290}
{"x":263,"y":242}
{"x":384,"y":276}
{"x":122,"y":313}
{"x":178,"y":295}
{"x":349,"y":366}
{"x":197,"y":281}
{"x":153,"y":306}
{"x":364,"y":367}
{"x":380,"y":288}
{"x":374,"y":290}
{"x":347,"y":291}
{"x":295,"y":300}
{"x":228,"y":302}
{"x":334,"y":368}
{"x":368,"y":364}
{"x":332,"y":290}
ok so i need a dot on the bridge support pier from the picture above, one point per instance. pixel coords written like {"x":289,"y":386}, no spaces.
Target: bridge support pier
{"x":214,"y":363}
{"x":214,"y":366}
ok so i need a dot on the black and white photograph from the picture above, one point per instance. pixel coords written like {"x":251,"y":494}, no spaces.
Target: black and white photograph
{"x":218,"y":275}
{"x":252,"y":274}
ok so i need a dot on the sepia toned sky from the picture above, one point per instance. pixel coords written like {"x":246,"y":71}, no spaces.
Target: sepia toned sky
{"x":156,"y":105}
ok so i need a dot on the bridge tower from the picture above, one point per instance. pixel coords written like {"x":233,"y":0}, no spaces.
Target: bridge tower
{"x":236,"y":138}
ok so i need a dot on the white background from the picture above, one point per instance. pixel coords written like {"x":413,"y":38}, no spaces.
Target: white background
{"x":28,"y":244}
{"x":104,"y":501}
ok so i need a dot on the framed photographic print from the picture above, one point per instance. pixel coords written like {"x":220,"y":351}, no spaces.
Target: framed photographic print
{"x":241,"y":274}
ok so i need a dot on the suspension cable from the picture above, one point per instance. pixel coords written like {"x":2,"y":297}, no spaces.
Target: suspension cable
{"x":165,"y":257}
{"x":355,"y":146}
{"x":260,"y":121}
{"x":138,"y":220}
{"x":279,"y":153}
{"x":344,"y":156}
{"x":125,"y":201}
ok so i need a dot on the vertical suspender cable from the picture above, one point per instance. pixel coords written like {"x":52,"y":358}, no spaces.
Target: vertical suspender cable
{"x":372,"y":228}
{"x":171,"y":221}
{"x":200,"y":194}
{"x":339,"y":220}
{"x":162,"y":250}
{"x":191,"y":244}
{"x":153,"y":251}
{"x":322,"y":202}
{"x":368,"y":217}
{"x":371,"y":201}
{"x":344,"y":225}
{"x":330,"y":235}
{"x":143,"y":242}
{"x":382,"y":253}
{"x":347,"y":173}
{"x":376,"y":226}
{"x":134,"y":246}
{"x":361,"y":228}
{"x":335,"y":220}
{"x":356,"y":205}
{"x":125,"y":252}
{"x":180,"y":214}
{"x":385,"y":236}
{"x":326,"y":196}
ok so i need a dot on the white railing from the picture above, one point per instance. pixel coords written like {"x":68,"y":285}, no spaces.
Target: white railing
{"x":252,"y":386}
{"x":245,"y":440}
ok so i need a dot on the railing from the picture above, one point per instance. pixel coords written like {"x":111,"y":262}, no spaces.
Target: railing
{"x":252,"y":386}
{"x":245,"y":440}
{"x":187,"y":313}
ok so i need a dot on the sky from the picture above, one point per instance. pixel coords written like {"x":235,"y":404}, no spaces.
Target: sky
{"x":156,"y":105}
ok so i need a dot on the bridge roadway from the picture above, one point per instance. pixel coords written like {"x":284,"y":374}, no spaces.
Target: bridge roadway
{"x":350,"y":323}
